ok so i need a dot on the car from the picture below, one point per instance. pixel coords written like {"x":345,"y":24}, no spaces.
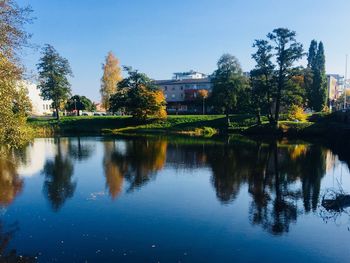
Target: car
{"x":85,"y":114}
{"x":97,"y":114}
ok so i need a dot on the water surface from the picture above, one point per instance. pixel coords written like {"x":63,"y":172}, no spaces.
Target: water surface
{"x":140,"y":199}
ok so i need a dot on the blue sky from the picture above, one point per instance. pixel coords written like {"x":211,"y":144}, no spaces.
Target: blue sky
{"x":160,"y":37}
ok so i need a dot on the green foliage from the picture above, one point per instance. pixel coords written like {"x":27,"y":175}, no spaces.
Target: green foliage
{"x":14,"y":101}
{"x":139,"y":96}
{"x":316,"y":84}
{"x":262,"y":80}
{"x":275,"y":85}
{"x":229,"y":85}
{"x":53,"y":77}
{"x":80,"y":103}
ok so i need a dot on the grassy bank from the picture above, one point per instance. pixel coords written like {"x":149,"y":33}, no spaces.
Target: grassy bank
{"x":196,"y":125}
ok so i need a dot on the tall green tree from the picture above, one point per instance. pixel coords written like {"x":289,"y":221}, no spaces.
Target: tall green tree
{"x":80,"y":103}
{"x":54,"y":71}
{"x":228,"y":84}
{"x":315,"y":77}
{"x":262,"y":80}
{"x":139,"y":96}
{"x":287,"y":52}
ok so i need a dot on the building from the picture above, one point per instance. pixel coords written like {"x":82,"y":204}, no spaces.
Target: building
{"x":40,"y":107}
{"x":335,"y":88}
{"x":181,"y":92}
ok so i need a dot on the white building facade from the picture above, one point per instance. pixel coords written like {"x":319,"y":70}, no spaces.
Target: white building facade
{"x":40,"y":107}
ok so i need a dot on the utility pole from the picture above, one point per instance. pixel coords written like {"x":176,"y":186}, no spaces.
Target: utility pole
{"x":346,"y":72}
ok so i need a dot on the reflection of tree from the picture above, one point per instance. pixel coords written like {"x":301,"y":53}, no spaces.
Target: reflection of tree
{"x":141,"y":159}
{"x":10,"y":183}
{"x":114,"y":173}
{"x":80,"y":151}
{"x":11,"y":256}
{"x":58,"y":185}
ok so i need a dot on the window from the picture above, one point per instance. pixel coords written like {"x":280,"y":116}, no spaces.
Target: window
{"x":43,"y":106}
{"x":173,"y":96}
{"x":165,"y":88}
{"x":173,"y":88}
{"x":182,"y":88}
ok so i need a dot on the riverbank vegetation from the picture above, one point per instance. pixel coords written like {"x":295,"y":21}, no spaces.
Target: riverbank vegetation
{"x":322,"y":125}
{"x":15,"y":104}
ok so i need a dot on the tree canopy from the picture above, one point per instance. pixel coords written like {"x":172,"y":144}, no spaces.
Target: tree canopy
{"x":111,"y":77}
{"x":54,"y":71}
{"x":80,"y":103}
{"x":139,"y":96}
{"x":229,"y":84}
{"x":14,"y":101}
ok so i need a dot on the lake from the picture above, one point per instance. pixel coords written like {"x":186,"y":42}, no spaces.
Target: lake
{"x":176,"y":199}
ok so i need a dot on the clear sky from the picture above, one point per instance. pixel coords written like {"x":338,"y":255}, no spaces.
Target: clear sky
{"x":160,"y":37}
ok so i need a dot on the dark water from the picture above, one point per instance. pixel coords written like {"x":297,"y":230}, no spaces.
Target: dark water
{"x":175,"y":200}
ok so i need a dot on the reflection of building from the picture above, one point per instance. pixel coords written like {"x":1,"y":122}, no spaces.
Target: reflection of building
{"x":39,"y":105}
{"x":182,"y":91}
{"x":37,"y":154}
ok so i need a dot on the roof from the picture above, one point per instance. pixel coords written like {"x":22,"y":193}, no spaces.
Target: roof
{"x":184,"y":81}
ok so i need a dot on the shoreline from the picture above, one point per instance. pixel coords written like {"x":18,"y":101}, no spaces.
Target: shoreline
{"x":186,"y":125}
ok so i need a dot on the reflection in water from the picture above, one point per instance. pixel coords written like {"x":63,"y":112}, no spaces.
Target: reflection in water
{"x":58,"y":184}
{"x":79,"y":150}
{"x":10,"y":183}
{"x":11,"y":256}
{"x":137,"y":162}
{"x":113,"y":172}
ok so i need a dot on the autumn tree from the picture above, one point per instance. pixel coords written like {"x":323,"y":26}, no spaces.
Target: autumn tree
{"x":139,"y":96}
{"x":203,"y":95}
{"x":111,"y":77}
{"x":54,"y":71}
{"x":13,"y":37}
{"x":228,"y":84}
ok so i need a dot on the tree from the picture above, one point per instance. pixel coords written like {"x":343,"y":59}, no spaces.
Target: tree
{"x":53,"y":77}
{"x":111,"y":77}
{"x":262,"y":80}
{"x":80,"y":103}
{"x":13,"y":37}
{"x":287,"y":52}
{"x":316,"y":81}
{"x":228,"y":83}
{"x":203,"y":95}
{"x":138,"y":95}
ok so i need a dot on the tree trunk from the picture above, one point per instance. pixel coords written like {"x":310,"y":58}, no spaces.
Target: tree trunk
{"x":57,"y":114}
{"x":227,"y":119}
{"x":258,"y":117}
{"x":278,"y":98}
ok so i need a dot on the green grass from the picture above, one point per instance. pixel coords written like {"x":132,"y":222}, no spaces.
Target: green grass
{"x":196,"y":125}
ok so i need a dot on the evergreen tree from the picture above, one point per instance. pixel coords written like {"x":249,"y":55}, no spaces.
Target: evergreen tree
{"x":53,"y":78}
{"x":320,"y":79}
{"x":315,"y":77}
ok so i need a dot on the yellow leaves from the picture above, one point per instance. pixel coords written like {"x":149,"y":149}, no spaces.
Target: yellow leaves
{"x":203,"y":93}
{"x":160,"y":100}
{"x":296,"y":113}
{"x":111,"y":77}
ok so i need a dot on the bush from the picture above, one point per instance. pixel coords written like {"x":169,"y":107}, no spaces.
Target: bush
{"x":296,"y":113}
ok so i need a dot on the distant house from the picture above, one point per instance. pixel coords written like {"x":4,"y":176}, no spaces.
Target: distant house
{"x":181,"y":92}
{"x":99,"y":107}
{"x":40,"y":107}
